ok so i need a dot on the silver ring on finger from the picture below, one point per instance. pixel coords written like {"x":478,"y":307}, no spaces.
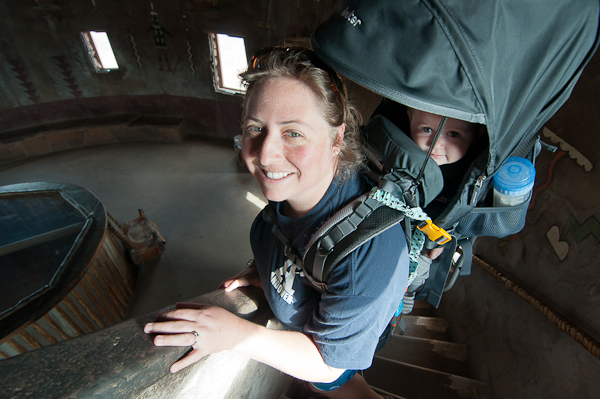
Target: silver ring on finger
{"x":195,"y":337}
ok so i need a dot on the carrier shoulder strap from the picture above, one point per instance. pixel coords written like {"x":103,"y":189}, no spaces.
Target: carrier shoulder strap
{"x":334,"y":241}
{"x":349,"y":229}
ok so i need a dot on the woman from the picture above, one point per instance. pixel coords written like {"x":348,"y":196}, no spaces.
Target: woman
{"x":300,"y":142}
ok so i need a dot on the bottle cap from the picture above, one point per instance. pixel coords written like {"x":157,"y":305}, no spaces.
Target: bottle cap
{"x":515,"y":177}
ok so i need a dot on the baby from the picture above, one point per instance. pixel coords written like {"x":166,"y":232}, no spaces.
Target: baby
{"x":451,"y":146}
{"x":454,"y":141}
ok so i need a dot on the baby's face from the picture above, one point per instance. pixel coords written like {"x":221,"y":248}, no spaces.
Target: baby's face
{"x":453,"y":142}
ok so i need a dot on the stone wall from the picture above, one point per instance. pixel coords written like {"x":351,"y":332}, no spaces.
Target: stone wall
{"x":47,"y":78}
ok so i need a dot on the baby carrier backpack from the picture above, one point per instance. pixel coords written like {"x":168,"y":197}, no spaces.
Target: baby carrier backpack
{"x":504,"y":64}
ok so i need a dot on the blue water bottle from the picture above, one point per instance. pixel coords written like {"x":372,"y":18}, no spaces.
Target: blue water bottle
{"x":513,"y":182}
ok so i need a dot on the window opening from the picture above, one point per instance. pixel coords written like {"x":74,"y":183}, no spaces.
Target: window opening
{"x":100,"y":51}
{"x":228,"y":55}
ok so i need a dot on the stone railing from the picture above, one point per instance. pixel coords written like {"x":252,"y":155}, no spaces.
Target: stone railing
{"x":122,"y":362}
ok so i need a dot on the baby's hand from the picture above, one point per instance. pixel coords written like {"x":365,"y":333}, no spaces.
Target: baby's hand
{"x":433,"y":253}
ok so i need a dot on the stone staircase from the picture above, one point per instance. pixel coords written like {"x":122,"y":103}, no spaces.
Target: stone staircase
{"x":421,"y":364}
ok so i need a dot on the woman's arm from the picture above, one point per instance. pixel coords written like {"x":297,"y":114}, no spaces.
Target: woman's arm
{"x":246,"y":277}
{"x":291,"y":352}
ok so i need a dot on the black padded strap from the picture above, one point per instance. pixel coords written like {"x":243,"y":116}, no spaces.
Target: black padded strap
{"x":337,"y":233}
{"x":319,"y":265}
{"x":348,"y":225}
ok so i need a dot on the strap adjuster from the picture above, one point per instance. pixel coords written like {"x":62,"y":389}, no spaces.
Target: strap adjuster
{"x":325,"y":246}
{"x":435,"y":233}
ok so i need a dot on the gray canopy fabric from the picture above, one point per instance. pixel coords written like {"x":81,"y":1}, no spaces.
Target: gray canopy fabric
{"x":507,"y":64}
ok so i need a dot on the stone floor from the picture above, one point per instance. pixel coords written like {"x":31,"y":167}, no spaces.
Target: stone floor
{"x":194,"y":191}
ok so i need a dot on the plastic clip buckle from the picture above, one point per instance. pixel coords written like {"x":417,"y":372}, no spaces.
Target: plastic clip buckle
{"x":436,"y":234}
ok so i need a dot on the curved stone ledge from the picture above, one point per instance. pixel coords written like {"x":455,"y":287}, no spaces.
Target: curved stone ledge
{"x":35,"y":130}
{"x":219,"y":115}
{"x":122,"y":362}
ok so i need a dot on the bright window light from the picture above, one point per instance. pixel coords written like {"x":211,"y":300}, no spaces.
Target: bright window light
{"x":100,"y":51}
{"x":260,"y":204}
{"x":229,"y":59}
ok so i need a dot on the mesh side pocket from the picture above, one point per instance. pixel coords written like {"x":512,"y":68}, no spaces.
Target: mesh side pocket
{"x":493,"y":221}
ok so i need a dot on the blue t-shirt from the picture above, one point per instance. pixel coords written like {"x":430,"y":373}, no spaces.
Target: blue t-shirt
{"x":363,"y":292}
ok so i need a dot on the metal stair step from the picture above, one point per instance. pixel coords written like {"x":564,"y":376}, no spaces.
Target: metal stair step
{"x":426,"y":327}
{"x":413,"y":382}
{"x":436,"y":355}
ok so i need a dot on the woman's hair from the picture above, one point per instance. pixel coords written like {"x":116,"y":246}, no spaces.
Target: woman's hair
{"x":303,"y":65}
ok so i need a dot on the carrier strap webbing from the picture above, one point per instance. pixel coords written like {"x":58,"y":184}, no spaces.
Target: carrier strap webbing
{"x":438,"y":274}
{"x":416,"y":213}
{"x":466,"y":244}
{"x":270,"y":217}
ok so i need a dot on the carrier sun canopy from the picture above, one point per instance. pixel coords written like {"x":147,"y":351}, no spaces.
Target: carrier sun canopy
{"x":507,"y":64}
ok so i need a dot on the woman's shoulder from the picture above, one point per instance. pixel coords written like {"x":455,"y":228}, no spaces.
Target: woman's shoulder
{"x":384,"y":248}
{"x":261,"y":225}
{"x":383,"y":257}
{"x":357,"y":184}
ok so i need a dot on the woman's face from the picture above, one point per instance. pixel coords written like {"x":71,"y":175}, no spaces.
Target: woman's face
{"x":287,"y":143}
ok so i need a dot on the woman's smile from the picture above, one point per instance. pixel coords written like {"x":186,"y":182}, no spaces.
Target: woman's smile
{"x":277,"y":175}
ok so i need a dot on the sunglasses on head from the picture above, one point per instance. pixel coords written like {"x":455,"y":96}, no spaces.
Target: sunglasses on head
{"x":305,"y":55}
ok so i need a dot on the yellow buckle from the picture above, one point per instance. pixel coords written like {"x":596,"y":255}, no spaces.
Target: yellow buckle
{"x":436,"y":234}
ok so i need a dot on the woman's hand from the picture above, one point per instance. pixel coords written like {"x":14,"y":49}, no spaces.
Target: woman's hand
{"x":291,"y":352}
{"x":216,"y":328}
{"x":246,"y":277}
